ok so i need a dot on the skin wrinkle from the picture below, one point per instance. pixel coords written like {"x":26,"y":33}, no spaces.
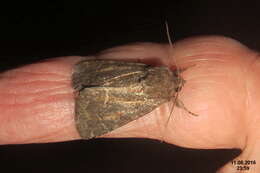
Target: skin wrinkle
{"x":217,"y":48}
{"x":32,"y":72}
{"x":243,"y":137}
{"x":159,"y":124}
{"x":194,"y":78}
{"x":146,"y":125}
{"x":206,"y":76}
{"x":32,"y":88}
{"x":191,"y":59}
{"x":7,"y":98}
{"x":248,"y":97}
{"x":31,"y":77}
{"x":210,"y":54}
{"x":136,"y":53}
{"x":20,"y":72}
{"x":20,"y":122}
{"x":230,"y":44}
{"x":134,"y":47}
{"x":251,"y":67}
{"x":49,"y":129}
{"x":30,"y":96}
{"x":213,"y":57}
{"x":42,"y":138}
{"x":33,"y":104}
{"x":65,"y":82}
{"x":37,"y":108}
{"x":15,"y":74}
{"x":255,"y":59}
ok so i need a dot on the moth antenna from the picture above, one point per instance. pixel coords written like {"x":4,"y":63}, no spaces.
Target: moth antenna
{"x":168,"y":33}
{"x":178,"y":71}
{"x":171,"y":45}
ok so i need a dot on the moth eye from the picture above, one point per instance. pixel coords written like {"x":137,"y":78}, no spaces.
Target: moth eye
{"x":178,"y":88}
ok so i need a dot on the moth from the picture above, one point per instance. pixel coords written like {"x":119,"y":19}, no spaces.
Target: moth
{"x":111,"y":94}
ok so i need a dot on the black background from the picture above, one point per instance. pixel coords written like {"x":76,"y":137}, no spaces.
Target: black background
{"x":33,"y":31}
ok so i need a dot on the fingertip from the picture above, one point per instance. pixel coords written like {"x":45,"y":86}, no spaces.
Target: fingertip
{"x":38,"y":104}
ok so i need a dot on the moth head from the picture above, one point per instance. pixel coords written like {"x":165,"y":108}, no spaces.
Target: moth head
{"x":178,"y":81}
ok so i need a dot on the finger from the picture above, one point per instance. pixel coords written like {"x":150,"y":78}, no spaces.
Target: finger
{"x":34,"y":124}
{"x":37,"y":103}
{"x":205,"y":93}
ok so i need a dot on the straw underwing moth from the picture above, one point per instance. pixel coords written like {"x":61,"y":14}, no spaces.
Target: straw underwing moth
{"x":111,"y":94}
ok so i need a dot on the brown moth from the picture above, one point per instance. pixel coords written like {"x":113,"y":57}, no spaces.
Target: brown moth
{"x":114,"y":93}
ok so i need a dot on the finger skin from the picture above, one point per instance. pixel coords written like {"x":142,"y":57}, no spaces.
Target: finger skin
{"x":37,"y":103}
{"x":221,"y":86}
{"x":217,"y":64}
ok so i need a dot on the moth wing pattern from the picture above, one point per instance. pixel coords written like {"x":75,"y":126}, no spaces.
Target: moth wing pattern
{"x":100,"y":72}
{"x":107,"y":109}
{"x":112,"y":94}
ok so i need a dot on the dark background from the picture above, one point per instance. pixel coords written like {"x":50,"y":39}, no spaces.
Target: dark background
{"x":33,"y":31}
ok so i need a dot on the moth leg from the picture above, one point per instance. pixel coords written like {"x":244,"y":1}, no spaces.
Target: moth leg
{"x":179,"y":81}
{"x":181,"y":105}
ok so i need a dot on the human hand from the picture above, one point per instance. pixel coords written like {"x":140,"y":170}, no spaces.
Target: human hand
{"x":37,"y":102}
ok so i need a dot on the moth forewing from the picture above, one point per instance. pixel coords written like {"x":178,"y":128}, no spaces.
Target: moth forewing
{"x":114,"y":93}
